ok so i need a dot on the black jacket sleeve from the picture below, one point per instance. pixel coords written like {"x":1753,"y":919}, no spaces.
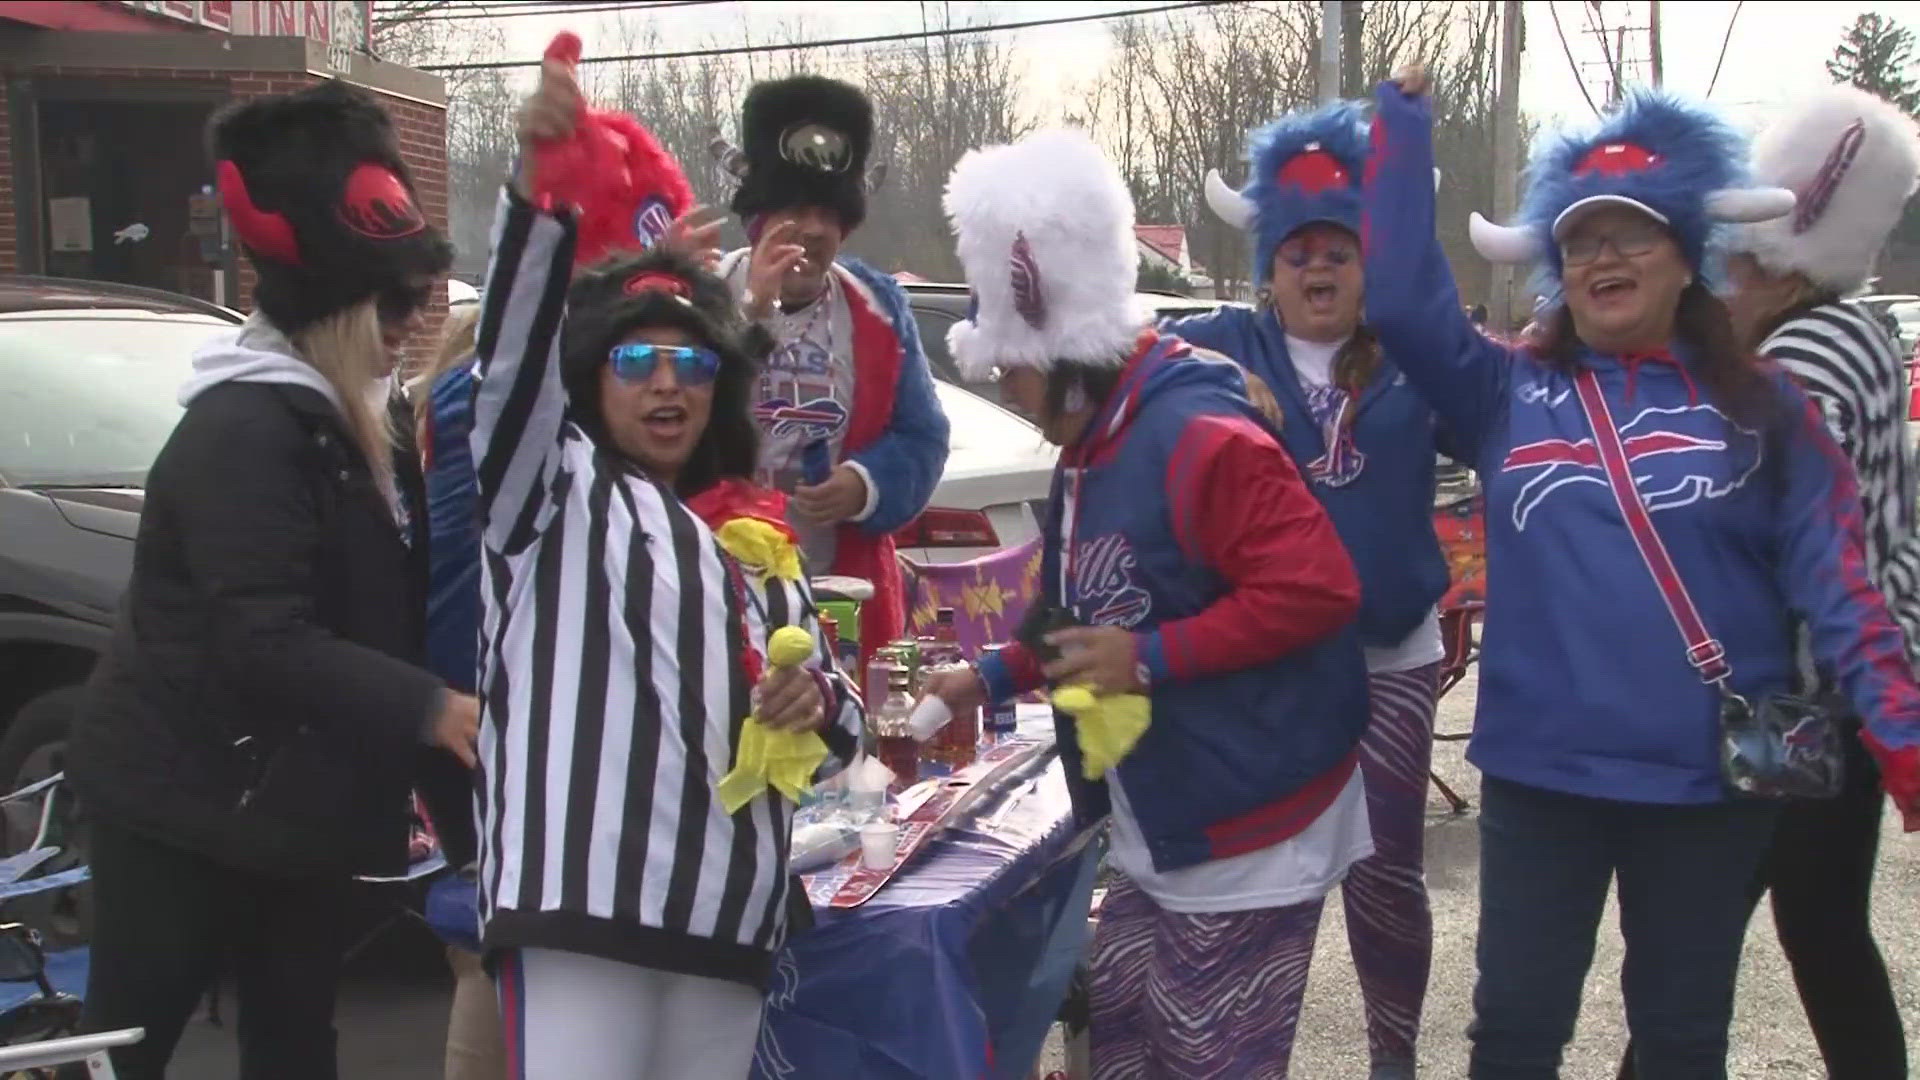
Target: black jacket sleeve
{"x":246,"y":507}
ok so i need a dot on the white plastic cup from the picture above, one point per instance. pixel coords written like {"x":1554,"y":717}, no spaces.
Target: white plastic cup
{"x":879,"y":842}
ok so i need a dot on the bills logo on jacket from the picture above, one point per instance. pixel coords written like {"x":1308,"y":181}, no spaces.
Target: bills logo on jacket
{"x":1104,"y":585}
{"x":1679,"y":456}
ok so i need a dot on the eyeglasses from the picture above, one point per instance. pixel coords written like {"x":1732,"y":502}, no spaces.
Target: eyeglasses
{"x":1299,"y":254}
{"x":635,"y":362}
{"x":817,"y":147}
{"x":400,"y":302}
{"x":1628,"y":241}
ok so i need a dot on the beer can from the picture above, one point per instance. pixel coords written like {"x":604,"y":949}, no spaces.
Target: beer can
{"x":1001,"y":717}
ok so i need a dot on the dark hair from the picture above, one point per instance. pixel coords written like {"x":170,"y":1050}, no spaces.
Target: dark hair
{"x":1728,"y":371}
{"x":1096,"y":382}
{"x":601,"y":312}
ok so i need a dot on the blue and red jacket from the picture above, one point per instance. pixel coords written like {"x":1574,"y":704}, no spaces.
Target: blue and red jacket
{"x":1192,"y":528}
{"x":897,"y":432}
{"x":1385,"y":513}
{"x":453,"y":531}
{"x":1584,"y":681}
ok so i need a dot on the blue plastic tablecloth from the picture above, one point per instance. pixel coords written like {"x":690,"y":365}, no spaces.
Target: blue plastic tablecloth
{"x":954,"y":970}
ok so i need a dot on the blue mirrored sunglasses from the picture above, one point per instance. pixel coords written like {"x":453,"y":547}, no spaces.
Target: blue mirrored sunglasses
{"x":634,"y":362}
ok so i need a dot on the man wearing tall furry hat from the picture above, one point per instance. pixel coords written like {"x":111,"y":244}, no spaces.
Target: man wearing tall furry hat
{"x":1203,"y":592}
{"x":1851,"y":160}
{"x":850,"y":426}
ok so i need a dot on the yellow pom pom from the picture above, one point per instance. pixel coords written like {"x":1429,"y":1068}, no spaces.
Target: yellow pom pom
{"x":1074,"y":700}
{"x":789,"y":646}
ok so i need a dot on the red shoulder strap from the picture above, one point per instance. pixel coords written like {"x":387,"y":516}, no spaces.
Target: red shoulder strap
{"x":1704,"y":652}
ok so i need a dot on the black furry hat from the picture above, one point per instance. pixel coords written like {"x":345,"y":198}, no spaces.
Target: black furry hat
{"x":660,"y":287}
{"x":322,"y":203}
{"x":805,"y":142}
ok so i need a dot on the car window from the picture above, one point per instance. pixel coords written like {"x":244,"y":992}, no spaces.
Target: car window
{"x":1907,"y":313}
{"x":933,"y":338}
{"x":90,"y":401}
{"x":975,"y":423}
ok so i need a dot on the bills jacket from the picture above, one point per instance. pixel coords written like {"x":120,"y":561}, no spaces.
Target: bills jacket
{"x":1585,"y":686}
{"x":1178,"y":517}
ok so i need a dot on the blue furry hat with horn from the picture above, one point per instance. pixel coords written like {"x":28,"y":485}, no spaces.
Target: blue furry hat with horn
{"x":1678,"y":163}
{"x":1305,"y":167}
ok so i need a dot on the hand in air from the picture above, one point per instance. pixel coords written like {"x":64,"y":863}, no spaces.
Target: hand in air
{"x":696,"y":235}
{"x":1412,"y":79}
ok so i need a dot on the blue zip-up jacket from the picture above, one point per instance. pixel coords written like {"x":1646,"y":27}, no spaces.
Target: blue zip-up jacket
{"x":453,"y":546}
{"x":1584,"y":683}
{"x":1385,"y":514}
{"x":1190,"y":527}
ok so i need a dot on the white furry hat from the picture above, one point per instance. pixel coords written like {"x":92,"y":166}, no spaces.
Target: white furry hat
{"x":1044,"y":230}
{"x":1851,"y":160}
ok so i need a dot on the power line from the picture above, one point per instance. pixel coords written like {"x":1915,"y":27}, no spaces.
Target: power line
{"x":1723,"y":46}
{"x":521,"y":8}
{"x":794,"y":46}
{"x":1568,"y":49}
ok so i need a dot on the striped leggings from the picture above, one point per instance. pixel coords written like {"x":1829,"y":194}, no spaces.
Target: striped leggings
{"x":1186,"y":997}
{"x":1389,"y":925}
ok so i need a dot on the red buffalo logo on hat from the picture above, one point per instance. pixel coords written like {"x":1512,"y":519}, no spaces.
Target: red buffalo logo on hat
{"x":1313,"y":171}
{"x":1616,"y":159}
{"x":378,"y":206}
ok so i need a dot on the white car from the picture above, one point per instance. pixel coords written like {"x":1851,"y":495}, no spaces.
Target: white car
{"x":995,"y":486}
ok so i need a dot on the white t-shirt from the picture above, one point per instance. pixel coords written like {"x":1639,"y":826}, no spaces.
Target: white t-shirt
{"x":1313,"y":363}
{"x":1303,"y":867}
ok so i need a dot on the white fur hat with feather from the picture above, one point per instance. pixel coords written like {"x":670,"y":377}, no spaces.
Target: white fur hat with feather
{"x":1044,"y":231}
{"x":1851,"y":160}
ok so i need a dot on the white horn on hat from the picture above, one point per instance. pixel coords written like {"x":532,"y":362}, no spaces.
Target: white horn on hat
{"x":1436,"y":178}
{"x":1749,"y":204}
{"x":730,"y":158}
{"x":1501,"y":243}
{"x":1232,"y":207}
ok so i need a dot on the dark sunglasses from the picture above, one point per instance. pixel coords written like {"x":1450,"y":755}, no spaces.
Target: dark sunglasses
{"x":1629,"y":241}
{"x":1299,"y":256}
{"x":402,"y":302}
{"x":635,"y":362}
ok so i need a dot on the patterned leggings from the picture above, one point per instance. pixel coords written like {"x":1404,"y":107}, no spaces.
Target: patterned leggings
{"x":1196,"y":997}
{"x":1218,"y":995}
{"x":1389,"y":926}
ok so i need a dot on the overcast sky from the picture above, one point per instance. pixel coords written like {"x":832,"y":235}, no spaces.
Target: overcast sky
{"x":1776,"y":51}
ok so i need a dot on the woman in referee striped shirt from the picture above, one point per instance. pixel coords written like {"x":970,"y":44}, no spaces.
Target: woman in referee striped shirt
{"x":629,"y":919}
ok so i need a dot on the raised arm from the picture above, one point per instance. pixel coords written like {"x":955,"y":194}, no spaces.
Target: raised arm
{"x":1822,"y":571}
{"x":1412,"y":304}
{"x":518,"y":401}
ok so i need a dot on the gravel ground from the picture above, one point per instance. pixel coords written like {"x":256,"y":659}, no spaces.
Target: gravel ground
{"x":1770,"y":1038}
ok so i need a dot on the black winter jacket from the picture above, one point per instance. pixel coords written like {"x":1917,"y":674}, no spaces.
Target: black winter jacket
{"x":274,"y":601}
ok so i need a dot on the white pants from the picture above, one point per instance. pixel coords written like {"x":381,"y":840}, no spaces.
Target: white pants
{"x":569,"y":1016}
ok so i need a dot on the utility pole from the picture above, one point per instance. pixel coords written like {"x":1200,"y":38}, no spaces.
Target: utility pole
{"x":1506,"y":155}
{"x":1329,"y":50}
{"x":1353,"y":50}
{"x":1653,"y":41}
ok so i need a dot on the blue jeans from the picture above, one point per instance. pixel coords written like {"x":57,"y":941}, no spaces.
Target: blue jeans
{"x":1546,"y":861}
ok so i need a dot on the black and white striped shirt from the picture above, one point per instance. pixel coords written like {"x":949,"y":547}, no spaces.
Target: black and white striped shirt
{"x":1852,"y":370}
{"x":611,"y":676}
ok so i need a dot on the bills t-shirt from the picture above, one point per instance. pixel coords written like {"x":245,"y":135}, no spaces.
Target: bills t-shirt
{"x":805,"y":395}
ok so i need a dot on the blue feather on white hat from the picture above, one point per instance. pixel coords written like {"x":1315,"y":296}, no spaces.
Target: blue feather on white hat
{"x":1679,"y":163}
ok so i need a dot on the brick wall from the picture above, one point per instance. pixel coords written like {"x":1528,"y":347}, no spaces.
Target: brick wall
{"x":422,"y":129}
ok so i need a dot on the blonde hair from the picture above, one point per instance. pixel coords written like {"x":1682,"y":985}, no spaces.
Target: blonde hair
{"x":347,"y":350}
{"x":457,"y":336}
